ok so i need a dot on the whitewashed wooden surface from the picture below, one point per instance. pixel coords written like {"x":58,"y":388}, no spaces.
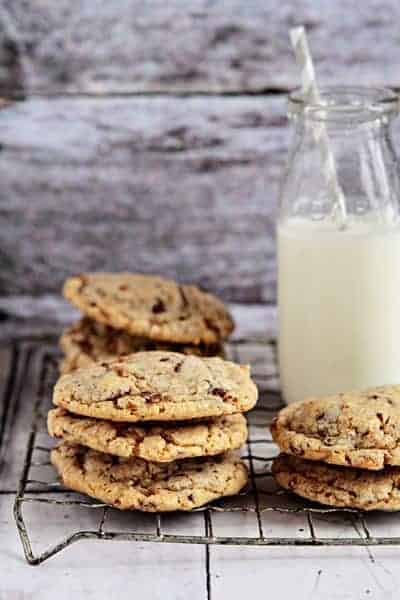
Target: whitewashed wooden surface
{"x":152,"y":135}
{"x":101,"y":47}
{"x":125,"y":569}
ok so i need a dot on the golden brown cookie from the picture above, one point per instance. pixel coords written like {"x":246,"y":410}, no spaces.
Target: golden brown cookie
{"x":339,"y":486}
{"x":156,"y":443}
{"x":135,"y":484}
{"x":157,"y":386}
{"x":151,"y":307}
{"x":357,"y":429}
{"x":87,"y":341}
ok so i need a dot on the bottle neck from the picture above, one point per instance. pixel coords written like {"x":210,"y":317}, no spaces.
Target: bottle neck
{"x":377,"y":127}
{"x":342,"y":174}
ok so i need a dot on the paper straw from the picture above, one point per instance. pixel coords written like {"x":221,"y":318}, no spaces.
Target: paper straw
{"x":311,"y":94}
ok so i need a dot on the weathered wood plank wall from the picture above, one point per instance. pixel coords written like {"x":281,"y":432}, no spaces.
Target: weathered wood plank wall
{"x":129,"y":150}
{"x":104,"y":47}
{"x":182,"y":189}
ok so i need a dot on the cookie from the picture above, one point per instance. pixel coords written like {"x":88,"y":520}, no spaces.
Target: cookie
{"x":151,"y":307}
{"x":339,"y":486}
{"x":135,"y":484}
{"x":156,"y":443}
{"x":157,"y":386}
{"x":358,"y":429}
{"x":87,"y":341}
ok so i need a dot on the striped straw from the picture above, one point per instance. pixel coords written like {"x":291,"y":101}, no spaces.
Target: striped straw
{"x":311,"y":94}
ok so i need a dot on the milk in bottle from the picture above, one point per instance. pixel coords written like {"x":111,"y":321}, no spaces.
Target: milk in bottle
{"x":339,"y":275}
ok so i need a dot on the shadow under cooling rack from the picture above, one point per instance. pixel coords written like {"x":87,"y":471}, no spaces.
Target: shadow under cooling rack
{"x":50,"y":518}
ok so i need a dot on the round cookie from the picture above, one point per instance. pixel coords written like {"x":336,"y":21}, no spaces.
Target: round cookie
{"x":150,"y":306}
{"x":339,"y":486}
{"x":155,"y":443}
{"x":157,"y":386}
{"x":87,"y":341}
{"x":357,"y":429}
{"x":135,"y":484}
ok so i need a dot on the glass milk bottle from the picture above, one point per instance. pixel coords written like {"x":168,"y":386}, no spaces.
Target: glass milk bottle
{"x":339,"y":246}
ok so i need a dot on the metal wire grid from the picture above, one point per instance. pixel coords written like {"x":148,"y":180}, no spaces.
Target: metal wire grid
{"x":260,"y":499}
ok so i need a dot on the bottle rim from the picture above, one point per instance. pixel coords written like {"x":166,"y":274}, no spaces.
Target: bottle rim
{"x":346,"y":104}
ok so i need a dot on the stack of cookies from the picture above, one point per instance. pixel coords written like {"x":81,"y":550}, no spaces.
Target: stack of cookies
{"x":342,"y":450}
{"x":154,"y":430}
{"x":127,"y":312}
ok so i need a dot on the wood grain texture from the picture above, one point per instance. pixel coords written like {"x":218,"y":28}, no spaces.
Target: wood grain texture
{"x":134,"y":46}
{"x":186,"y":187}
{"x":95,"y":570}
{"x":182,"y":186}
{"x":18,"y":418}
{"x":12,"y":78}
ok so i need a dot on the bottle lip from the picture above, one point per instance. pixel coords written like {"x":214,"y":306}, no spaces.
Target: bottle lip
{"x":346,"y":104}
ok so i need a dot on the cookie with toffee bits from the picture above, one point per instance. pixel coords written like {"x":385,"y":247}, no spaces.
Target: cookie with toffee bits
{"x":164,"y":442}
{"x":357,"y":429}
{"x":135,"y":484}
{"x":151,"y":307}
{"x":85,"y":342}
{"x":157,"y":386}
{"x":339,"y":486}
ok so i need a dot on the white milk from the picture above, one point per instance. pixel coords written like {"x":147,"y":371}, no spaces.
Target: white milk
{"x":339,"y":308}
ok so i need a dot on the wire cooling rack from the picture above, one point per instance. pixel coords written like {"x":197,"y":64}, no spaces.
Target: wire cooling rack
{"x":263,"y":515}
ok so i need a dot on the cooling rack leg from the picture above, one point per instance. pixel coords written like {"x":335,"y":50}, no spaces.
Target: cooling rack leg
{"x":208,"y":572}
{"x":23,"y":533}
{"x":208,"y":530}
{"x":33,"y":559}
